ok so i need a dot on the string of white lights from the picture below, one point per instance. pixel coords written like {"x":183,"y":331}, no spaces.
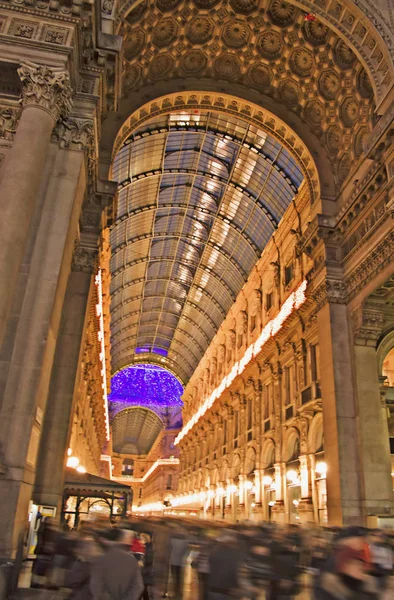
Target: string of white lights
{"x":101,"y":338}
{"x":293,"y":302}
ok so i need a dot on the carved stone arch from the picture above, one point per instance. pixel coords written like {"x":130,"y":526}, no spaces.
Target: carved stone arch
{"x":315,"y":434}
{"x":291,"y":444}
{"x":267,"y":453}
{"x":135,"y":115}
{"x":385,"y":345}
{"x":236,"y":466}
{"x":369,"y":38}
{"x":250,"y":462}
{"x":308,"y":151}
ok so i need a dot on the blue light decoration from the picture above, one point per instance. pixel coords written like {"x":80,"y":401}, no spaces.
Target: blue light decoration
{"x":146,"y":385}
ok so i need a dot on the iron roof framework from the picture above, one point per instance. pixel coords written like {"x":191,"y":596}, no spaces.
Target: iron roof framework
{"x":200,"y":194}
{"x":135,"y":430}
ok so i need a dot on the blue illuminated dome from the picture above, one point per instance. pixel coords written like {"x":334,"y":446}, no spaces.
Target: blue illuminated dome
{"x":146,"y":385}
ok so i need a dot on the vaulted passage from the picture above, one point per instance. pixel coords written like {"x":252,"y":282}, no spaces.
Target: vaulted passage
{"x":200,"y":195}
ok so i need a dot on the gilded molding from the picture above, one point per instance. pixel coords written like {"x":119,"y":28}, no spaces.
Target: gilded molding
{"x":46,"y":87}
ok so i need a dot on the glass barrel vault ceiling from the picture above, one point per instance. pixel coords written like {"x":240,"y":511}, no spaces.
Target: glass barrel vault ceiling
{"x":200,"y":194}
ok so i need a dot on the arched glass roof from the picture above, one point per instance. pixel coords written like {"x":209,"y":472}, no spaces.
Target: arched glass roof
{"x":200,"y":194}
{"x":135,"y":430}
{"x":146,"y":385}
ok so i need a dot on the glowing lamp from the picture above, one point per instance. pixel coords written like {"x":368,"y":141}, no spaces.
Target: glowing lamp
{"x":267,"y":480}
{"x":292,"y":476}
{"x":232,"y":489}
{"x":248,"y":485}
{"x":69,"y":452}
{"x":73,"y":462}
{"x":211,"y":494}
{"x":321,"y":468}
{"x":271,"y":503}
{"x":81,"y":469}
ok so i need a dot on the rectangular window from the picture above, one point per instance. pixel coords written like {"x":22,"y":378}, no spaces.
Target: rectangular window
{"x":240,"y":341}
{"x":287,"y":379}
{"x":224,"y":433}
{"x":266,"y":408}
{"x":288,"y":273}
{"x":169,"y":482}
{"x":236,"y":424}
{"x":268,"y":301}
{"x":313,"y":355}
{"x":250,"y":414}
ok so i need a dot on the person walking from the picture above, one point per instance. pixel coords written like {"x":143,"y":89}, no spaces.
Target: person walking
{"x":116,"y":575}
{"x":179,"y":548}
{"x":224,"y":566}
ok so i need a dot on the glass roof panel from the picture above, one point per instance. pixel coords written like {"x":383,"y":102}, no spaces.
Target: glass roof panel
{"x":196,"y":207}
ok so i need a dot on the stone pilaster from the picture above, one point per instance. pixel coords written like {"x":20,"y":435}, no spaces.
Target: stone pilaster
{"x":46,"y":96}
{"x":368,"y":322}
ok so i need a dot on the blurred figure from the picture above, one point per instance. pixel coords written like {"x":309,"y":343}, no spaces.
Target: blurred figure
{"x":201,"y":565}
{"x":224,"y":567}
{"x":285,"y":560}
{"x":179,"y":548}
{"x":147,"y":567}
{"x":349,"y":577}
{"x":256,"y":572}
{"x":381,"y":558}
{"x":116,"y":573}
{"x":87,"y":550}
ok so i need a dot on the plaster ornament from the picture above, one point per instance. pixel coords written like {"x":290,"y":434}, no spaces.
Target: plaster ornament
{"x":46,"y":87}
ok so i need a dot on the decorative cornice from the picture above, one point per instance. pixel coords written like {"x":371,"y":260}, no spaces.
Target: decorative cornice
{"x":331,"y":291}
{"x":367,"y":321}
{"x":74,"y":133}
{"x":84,"y":259}
{"x":46,"y":87}
{"x":377,"y":260}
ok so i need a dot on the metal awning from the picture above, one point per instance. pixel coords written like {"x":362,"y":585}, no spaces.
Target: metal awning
{"x":200,"y":194}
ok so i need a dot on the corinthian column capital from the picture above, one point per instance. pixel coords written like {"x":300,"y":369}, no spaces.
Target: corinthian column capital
{"x":46,"y":87}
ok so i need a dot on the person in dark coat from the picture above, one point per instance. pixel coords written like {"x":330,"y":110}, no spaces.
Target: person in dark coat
{"x":224,"y":568}
{"x":256,"y":572}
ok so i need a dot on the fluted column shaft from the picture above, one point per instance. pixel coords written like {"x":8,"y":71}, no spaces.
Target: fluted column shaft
{"x":46,"y":96}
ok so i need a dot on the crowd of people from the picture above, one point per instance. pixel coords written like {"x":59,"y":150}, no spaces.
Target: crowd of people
{"x":150,"y":559}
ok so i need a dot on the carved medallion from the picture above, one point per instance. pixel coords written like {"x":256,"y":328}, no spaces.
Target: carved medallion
{"x":164,"y":5}
{"x":333,"y":139}
{"x":329,"y":84}
{"x":302,"y":62}
{"x":364,"y":85}
{"x":349,"y":111}
{"x":134,"y":43}
{"x":199,"y":30}
{"x":194,"y":62}
{"x":244,"y":6}
{"x":135,"y":15}
{"x":227,"y":66}
{"x":132,"y":76}
{"x":205,"y":3}
{"x":314,"y":112}
{"x":161,"y":66}
{"x":282,"y":13}
{"x":164,"y":32}
{"x":236,"y":34}
{"x":315,"y":32}
{"x":260,"y":76}
{"x":344,"y":57}
{"x":289,"y":92}
{"x":270,"y":44}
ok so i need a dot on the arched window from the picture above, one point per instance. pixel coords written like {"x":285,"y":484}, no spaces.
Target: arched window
{"x":128,"y":467}
{"x":388,"y":368}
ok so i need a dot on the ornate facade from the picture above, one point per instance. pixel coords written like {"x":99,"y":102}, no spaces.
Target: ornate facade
{"x":224,"y":170}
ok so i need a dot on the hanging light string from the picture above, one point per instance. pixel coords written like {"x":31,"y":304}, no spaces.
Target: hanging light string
{"x":293,"y":302}
{"x":101,"y":338}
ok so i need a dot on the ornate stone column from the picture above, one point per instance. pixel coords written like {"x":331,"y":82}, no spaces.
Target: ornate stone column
{"x":278,"y":510}
{"x":305,"y":507}
{"x":46,"y":97}
{"x":52,"y":456}
{"x":368,"y":323}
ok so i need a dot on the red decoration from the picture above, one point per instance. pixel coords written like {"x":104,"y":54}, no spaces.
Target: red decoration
{"x":310,"y":17}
